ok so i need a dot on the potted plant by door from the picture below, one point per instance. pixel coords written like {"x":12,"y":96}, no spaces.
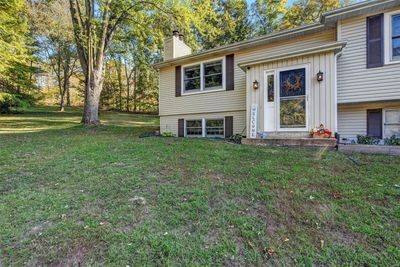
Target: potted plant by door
{"x":321,"y":132}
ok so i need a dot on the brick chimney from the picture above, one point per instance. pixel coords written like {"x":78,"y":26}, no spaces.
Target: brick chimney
{"x":175,"y":46}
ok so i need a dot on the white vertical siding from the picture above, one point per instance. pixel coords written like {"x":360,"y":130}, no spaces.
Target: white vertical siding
{"x":357,"y":83}
{"x":321,"y":95}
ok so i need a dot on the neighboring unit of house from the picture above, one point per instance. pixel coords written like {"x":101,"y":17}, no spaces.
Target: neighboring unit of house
{"x":343,"y":72}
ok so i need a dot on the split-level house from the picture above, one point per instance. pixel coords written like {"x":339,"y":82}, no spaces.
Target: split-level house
{"x":343,"y":72}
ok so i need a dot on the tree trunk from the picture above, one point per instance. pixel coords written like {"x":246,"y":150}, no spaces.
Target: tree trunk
{"x":61,"y":91}
{"x":93,"y":89}
{"x":62,"y":104}
{"x":127,"y":87}
{"x":119,"y":75}
{"x":65,"y":85}
{"x":68,"y":96}
{"x":134,"y":90}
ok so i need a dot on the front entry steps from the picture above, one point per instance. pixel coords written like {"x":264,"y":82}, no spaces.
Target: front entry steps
{"x":291,"y":142}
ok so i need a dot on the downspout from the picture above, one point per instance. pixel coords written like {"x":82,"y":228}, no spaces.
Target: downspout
{"x":337,"y":55}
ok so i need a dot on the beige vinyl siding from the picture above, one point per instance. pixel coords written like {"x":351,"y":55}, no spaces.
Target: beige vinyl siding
{"x":357,"y":83}
{"x":224,"y":101}
{"x":207,"y":102}
{"x":352,"y":118}
{"x":321,"y":95}
{"x":170,"y":123}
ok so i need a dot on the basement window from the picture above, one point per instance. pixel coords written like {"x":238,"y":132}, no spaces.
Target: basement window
{"x":215,"y":128}
{"x":194,"y":128}
{"x":392,"y":122}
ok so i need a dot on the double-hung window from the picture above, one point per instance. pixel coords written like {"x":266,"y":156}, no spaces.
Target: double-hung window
{"x":395,"y":37}
{"x":392,"y":37}
{"x":192,"y":78}
{"x":205,"y":76}
{"x":213,"y":75}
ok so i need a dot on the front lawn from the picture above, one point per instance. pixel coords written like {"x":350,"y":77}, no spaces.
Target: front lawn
{"x":104,"y":196}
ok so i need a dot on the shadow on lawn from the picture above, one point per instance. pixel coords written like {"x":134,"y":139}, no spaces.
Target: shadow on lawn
{"x":41,"y":120}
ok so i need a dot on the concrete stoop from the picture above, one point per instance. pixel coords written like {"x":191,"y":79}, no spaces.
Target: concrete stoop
{"x":291,"y":142}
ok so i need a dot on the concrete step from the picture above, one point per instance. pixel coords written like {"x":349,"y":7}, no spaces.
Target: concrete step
{"x":292,"y":142}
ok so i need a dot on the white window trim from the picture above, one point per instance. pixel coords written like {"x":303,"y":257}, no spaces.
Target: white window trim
{"x":202,"y":89}
{"x":203,"y":126}
{"x":278,"y":97}
{"x":384,"y":120}
{"x":388,"y":38}
{"x":212,"y":119}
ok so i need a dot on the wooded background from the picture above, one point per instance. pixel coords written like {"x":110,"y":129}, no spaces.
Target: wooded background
{"x":39,"y":59}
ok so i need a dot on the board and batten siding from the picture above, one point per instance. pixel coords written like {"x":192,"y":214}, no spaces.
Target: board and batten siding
{"x":226,"y":102}
{"x":352,"y":118}
{"x":355,"y":82}
{"x":321,"y":95}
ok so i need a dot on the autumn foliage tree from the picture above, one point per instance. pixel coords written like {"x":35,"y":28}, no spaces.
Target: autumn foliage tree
{"x":309,"y":11}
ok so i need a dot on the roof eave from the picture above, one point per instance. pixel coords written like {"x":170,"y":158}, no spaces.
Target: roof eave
{"x":275,"y":37}
{"x":331,"y":17}
{"x":336,"y":47}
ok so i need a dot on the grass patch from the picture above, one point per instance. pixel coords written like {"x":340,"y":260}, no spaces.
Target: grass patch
{"x":71,"y":195}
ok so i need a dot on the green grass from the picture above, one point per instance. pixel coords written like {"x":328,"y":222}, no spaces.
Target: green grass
{"x":102,"y":196}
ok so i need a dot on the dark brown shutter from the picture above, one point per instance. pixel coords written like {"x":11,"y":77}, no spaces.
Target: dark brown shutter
{"x":178,"y":81}
{"x":229,"y":70}
{"x":375,"y":41}
{"x":181,"y":128}
{"x":228,"y":126}
{"x":374,"y":123}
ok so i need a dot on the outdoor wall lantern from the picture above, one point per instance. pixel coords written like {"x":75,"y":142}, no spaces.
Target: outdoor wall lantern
{"x":255,"y":85}
{"x":320,"y":76}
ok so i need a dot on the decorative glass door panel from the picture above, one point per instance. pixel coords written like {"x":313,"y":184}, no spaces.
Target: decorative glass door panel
{"x":292,"y":99}
{"x":269,"y":101}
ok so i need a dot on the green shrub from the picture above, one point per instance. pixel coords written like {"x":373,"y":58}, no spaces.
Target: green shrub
{"x":237,"y":138}
{"x":367,"y":140}
{"x":11,"y":102}
{"x":392,"y":141}
{"x":168,"y":134}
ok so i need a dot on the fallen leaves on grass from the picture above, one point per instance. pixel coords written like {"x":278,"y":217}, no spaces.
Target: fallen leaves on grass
{"x":269,"y":252}
{"x":337,"y":195}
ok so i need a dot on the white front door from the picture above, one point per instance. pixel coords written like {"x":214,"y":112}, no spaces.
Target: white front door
{"x":269,"y":101}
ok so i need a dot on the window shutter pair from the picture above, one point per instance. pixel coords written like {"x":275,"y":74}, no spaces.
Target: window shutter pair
{"x":229,"y":75}
{"x":228,"y":127}
{"x":375,"y":46}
